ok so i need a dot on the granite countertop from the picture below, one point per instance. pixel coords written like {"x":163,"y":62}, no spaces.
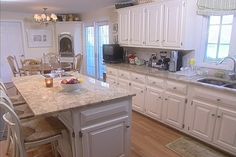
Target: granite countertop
{"x":168,"y":75}
{"x":44,"y":100}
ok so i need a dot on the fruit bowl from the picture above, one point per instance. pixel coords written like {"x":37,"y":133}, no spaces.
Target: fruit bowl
{"x":70,"y":85}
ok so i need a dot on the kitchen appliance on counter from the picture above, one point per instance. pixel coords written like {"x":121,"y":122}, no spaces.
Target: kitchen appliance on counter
{"x":112,"y":53}
{"x":162,"y":63}
{"x":175,"y":61}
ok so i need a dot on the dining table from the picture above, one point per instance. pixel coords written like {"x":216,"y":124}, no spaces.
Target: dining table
{"x":97,"y":115}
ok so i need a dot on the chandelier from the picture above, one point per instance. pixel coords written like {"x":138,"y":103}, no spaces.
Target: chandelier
{"x":45,"y":18}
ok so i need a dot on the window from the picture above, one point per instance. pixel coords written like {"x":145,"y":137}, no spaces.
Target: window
{"x":89,"y":42}
{"x":219,"y":37}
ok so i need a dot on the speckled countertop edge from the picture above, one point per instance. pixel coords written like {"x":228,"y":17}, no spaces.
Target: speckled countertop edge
{"x":169,"y":75}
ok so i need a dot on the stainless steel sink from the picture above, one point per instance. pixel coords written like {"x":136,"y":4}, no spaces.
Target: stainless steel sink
{"x":213,"y":81}
{"x":232,"y":85}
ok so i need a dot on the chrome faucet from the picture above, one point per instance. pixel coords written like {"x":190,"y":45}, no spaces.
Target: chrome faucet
{"x":232,"y":75}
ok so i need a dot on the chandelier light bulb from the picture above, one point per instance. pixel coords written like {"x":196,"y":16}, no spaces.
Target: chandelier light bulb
{"x":45,"y":18}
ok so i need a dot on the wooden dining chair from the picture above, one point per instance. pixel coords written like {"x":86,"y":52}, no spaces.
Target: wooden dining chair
{"x":32,"y":133}
{"x":52,"y":59}
{"x":15,"y":66}
{"x":31,"y":66}
{"x":77,"y":63}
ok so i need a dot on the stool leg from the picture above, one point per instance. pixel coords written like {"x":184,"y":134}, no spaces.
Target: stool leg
{"x":8,"y":140}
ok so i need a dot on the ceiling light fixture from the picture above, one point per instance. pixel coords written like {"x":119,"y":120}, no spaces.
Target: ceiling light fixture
{"x":45,"y":18}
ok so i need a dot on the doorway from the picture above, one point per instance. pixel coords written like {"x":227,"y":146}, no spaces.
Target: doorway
{"x":95,"y":36}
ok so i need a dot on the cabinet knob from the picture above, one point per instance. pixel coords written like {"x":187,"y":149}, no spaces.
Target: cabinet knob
{"x":127,"y":126}
{"x":159,"y":97}
{"x":136,"y":78}
{"x":174,"y":87}
{"x":166,"y":99}
{"x":218,"y":116}
{"x":157,"y":40}
{"x":153,"y":82}
{"x":129,"y":84}
{"x":141,"y":91}
{"x":218,"y":100}
{"x":213,"y":115}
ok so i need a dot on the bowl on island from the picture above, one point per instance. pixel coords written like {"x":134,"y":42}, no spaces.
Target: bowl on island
{"x":71,"y":84}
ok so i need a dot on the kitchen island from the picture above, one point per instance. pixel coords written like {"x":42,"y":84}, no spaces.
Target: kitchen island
{"x":98,"y":116}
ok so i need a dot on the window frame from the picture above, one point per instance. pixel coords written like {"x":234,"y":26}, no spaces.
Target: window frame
{"x":201,"y":48}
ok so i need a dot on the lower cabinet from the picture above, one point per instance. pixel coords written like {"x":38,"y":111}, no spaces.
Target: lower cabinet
{"x":202,"y":120}
{"x":173,"y":110}
{"x":225,"y":129}
{"x":138,"y":102}
{"x":153,"y":102}
{"x":106,"y":140}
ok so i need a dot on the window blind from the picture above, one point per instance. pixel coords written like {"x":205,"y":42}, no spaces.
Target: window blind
{"x":216,"y":7}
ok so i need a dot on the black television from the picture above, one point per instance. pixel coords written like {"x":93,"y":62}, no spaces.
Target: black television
{"x":112,"y":53}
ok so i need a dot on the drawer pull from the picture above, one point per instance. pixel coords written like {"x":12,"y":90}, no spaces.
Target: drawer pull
{"x":166,"y":99}
{"x":174,"y":88}
{"x":127,"y":126}
{"x":129,"y":84}
{"x":218,"y":100}
{"x":159,"y":97}
{"x":218,"y":116}
{"x":213,"y":115}
{"x":141,"y":91}
{"x":136,"y":78}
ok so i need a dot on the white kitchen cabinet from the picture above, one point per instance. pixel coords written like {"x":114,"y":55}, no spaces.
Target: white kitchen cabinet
{"x":138,"y":100}
{"x":124,"y":26}
{"x":173,"y":110}
{"x":110,"y":135}
{"x":137,"y":26}
{"x":173,"y":23}
{"x":225,"y":129}
{"x":111,"y":80}
{"x":124,"y":84}
{"x":203,"y":119}
{"x":153,"y":102}
{"x":154,"y":24}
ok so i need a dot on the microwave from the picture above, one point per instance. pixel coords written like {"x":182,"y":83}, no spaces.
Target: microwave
{"x":112,"y":53}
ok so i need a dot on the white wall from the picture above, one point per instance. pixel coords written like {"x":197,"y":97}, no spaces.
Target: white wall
{"x":29,"y":24}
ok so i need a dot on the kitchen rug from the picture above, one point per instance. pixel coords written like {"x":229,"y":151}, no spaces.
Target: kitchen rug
{"x":187,"y":147}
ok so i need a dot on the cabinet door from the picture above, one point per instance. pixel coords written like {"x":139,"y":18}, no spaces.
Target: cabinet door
{"x":106,"y":140}
{"x":124,"y":24}
{"x":154,"y":102}
{"x":174,"y":106}
{"x":173,"y":14}
{"x":154,"y":24}
{"x":139,"y":99}
{"x":203,"y":119}
{"x":225,"y":129}
{"x":124,"y":84}
{"x":136,"y":26}
{"x":111,"y":80}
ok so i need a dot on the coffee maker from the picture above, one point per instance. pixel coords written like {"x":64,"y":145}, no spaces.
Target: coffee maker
{"x":175,"y":61}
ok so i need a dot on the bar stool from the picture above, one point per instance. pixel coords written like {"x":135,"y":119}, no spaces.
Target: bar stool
{"x":33,"y":133}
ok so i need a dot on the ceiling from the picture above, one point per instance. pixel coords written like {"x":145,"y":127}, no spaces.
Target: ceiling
{"x":56,"y":6}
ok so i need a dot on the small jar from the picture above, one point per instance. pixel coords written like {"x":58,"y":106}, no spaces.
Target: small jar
{"x":49,"y":82}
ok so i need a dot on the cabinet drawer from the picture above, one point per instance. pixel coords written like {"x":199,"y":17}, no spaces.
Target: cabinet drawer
{"x":155,"y":82}
{"x":104,"y":113}
{"x":176,"y":87}
{"x":138,"y":78}
{"x":214,"y":97}
{"x":123,"y":74}
{"x":112,"y":71}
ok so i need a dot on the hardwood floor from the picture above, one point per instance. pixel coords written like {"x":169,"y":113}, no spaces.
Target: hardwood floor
{"x":148,"y":139}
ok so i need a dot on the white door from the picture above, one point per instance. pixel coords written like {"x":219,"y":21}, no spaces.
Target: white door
{"x":153,"y":102}
{"x":139,"y":99}
{"x":136,"y":26}
{"x":106,"y":140}
{"x":203,"y":119}
{"x":173,"y":21}
{"x":225,"y":129}
{"x":124,"y":84}
{"x":154,"y":22}
{"x":174,"y":106}
{"x":124,"y":24}
{"x":11,"y":44}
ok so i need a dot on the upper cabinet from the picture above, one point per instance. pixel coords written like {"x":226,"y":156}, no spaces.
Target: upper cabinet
{"x":159,"y":25}
{"x":124,"y":20}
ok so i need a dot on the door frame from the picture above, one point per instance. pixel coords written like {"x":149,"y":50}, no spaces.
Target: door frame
{"x":95,"y":24}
